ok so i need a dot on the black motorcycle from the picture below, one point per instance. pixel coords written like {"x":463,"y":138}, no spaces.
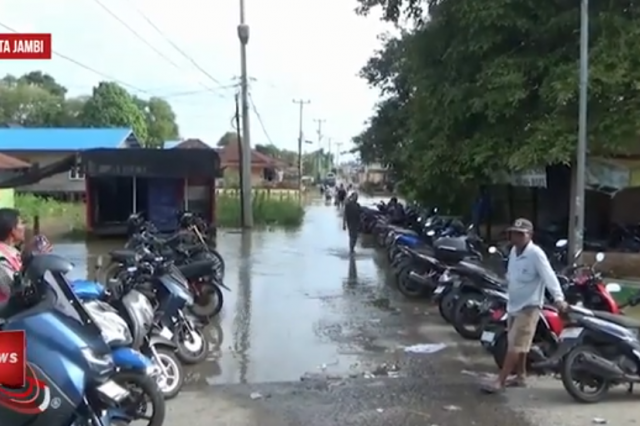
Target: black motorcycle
{"x":597,"y":351}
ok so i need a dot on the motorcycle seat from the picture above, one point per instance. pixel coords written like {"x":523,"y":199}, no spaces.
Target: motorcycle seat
{"x":197,"y":269}
{"x":621,"y":320}
{"x":122,"y":255}
{"x":401,"y":230}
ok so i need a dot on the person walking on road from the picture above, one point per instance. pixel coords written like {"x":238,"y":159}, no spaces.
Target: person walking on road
{"x":529,"y":273}
{"x":351,"y":220}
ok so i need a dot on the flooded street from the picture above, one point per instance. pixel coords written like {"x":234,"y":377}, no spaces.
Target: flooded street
{"x":311,"y":335}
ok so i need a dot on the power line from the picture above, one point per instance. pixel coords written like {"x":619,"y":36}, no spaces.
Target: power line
{"x":173,"y":44}
{"x":136,"y":34}
{"x":87,"y":67}
{"x":147,"y":43}
{"x":264,"y":129}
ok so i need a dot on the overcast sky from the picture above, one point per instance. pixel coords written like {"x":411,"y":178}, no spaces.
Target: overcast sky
{"x":298,"y":49}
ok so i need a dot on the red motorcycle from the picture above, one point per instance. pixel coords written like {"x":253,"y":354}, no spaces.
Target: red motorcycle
{"x":584,"y":288}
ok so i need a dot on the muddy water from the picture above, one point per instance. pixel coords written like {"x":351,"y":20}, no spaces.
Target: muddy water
{"x":291,"y":291}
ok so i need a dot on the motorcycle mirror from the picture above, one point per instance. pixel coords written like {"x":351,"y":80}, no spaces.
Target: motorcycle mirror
{"x":431,"y":233}
{"x":561,"y":243}
{"x":492,"y":250}
{"x":600,"y":257}
{"x":613,"y":288}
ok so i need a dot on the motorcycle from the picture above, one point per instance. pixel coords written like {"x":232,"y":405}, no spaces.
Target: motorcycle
{"x":550,"y":325}
{"x":136,"y":311}
{"x":82,"y":381}
{"x":598,"y":350}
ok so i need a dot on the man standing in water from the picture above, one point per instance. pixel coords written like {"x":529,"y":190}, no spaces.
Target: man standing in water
{"x":529,"y":273}
{"x":351,"y":220}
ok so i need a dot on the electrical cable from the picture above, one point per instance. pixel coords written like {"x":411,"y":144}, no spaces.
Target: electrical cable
{"x":174,"y":45}
{"x":87,"y":67}
{"x":151,"y":46}
{"x":136,"y":34}
{"x":255,"y":111}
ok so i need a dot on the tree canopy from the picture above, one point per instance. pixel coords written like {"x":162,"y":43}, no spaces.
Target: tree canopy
{"x":37,"y":100}
{"x":478,"y":89}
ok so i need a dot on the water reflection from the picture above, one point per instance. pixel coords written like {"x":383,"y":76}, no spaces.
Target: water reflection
{"x":287,"y":311}
{"x":242,"y":318}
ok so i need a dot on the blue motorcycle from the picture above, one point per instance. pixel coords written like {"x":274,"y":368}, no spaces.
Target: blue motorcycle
{"x":140,"y":330}
{"x":67,"y":357}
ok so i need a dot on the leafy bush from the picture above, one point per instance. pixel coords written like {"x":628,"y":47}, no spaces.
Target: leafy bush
{"x":285,"y":212}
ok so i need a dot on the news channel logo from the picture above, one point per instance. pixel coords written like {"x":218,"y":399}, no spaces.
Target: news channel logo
{"x":21,"y":389}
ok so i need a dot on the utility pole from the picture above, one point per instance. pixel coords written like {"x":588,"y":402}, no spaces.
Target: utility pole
{"x":243,"y":35}
{"x":338,"y":145}
{"x":301,"y":103}
{"x":576,"y":213}
{"x":319,"y":152}
{"x":330,"y":155}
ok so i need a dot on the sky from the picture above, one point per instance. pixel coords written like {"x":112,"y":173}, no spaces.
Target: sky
{"x":298,"y":49}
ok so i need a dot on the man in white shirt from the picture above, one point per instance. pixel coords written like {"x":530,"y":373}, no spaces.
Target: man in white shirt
{"x":529,"y":274}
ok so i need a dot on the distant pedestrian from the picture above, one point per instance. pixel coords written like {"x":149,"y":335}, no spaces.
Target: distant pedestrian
{"x":529,"y":274}
{"x":351,"y":220}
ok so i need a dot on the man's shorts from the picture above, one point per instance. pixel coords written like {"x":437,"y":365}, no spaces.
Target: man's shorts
{"x":522,"y":328}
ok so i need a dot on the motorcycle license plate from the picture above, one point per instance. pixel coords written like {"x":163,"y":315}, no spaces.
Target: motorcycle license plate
{"x":571,"y":333}
{"x":166,"y":333}
{"x":487,"y":336}
{"x":113,"y":391}
{"x":439,"y":290}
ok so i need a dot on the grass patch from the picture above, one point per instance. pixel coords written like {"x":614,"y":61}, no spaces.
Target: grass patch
{"x":267,"y":211}
{"x":57,"y":219}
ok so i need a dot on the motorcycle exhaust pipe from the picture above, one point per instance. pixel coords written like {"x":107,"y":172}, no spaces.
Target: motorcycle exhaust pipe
{"x":602,"y":367}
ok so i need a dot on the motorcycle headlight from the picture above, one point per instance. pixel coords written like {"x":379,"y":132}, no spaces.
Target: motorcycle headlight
{"x":100,"y":364}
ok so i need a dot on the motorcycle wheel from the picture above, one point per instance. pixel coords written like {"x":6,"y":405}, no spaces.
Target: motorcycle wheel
{"x":465,"y":319}
{"x":143,"y":390}
{"x":446,"y":305}
{"x":573,"y":384}
{"x":172,"y":383}
{"x":409,"y":288}
{"x":220,"y":266}
{"x":208,"y":303}
{"x":193,"y":346}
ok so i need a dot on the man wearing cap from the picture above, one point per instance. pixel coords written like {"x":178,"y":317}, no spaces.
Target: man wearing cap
{"x":529,"y":273}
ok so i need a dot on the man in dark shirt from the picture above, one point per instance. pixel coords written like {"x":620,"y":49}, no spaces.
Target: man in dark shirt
{"x":351,"y":220}
{"x":341,"y":195}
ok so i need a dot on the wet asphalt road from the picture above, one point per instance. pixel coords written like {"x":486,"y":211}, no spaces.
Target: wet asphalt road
{"x":312,"y":335}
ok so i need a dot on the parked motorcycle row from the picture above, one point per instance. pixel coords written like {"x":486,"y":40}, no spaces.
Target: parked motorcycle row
{"x":592,"y":346}
{"x":111,"y":353}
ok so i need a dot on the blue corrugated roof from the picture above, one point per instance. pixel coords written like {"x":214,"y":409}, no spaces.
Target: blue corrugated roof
{"x":171,"y":144}
{"x":61,"y":139}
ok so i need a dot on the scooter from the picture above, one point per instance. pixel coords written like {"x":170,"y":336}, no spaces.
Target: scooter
{"x":69,"y":365}
{"x":136,"y":311}
{"x":598,"y":351}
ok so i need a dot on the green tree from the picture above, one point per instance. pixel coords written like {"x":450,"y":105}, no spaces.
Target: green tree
{"x":112,"y":106}
{"x":483,"y":88}
{"x":45,"y":81}
{"x":29,"y":106}
{"x":160,"y":120}
{"x":226,"y":139}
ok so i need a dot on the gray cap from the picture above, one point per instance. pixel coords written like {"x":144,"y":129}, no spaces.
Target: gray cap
{"x":521,"y":225}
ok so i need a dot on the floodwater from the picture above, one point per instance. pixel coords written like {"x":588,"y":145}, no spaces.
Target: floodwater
{"x":294,"y":294}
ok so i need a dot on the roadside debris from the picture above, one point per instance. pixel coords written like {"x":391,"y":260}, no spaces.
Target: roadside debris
{"x":452,"y":408}
{"x":425,"y":348}
{"x":256,"y":395}
{"x":599,"y":421}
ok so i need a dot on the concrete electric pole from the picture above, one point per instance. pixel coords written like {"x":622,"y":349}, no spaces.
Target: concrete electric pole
{"x":576,"y":210}
{"x":245,"y":169}
{"x":319,"y":164}
{"x":338,"y":145}
{"x":301,"y":103}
